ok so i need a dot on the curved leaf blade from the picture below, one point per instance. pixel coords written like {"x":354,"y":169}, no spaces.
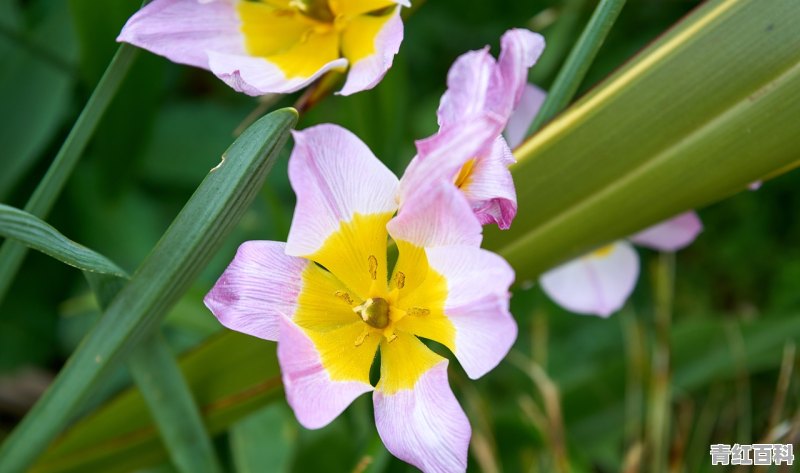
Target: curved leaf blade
{"x":34,"y":233}
{"x":43,"y":198}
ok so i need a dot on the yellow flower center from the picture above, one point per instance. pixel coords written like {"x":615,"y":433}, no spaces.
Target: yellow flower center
{"x":374,"y":312}
{"x":315,"y":9}
{"x":351,"y":304}
{"x":301,"y":36}
{"x":381,"y":313}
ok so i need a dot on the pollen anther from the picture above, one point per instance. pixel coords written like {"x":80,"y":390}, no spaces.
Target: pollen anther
{"x":373,"y":267}
{"x":344,"y":296}
{"x":362,"y":337}
{"x":400,"y":280}
{"x":418,"y":311}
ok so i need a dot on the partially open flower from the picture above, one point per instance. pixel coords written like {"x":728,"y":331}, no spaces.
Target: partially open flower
{"x":273,"y":46}
{"x":330,"y":300}
{"x":479,"y":88}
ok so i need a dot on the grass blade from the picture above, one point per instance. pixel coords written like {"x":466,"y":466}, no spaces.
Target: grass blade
{"x":161,"y":382}
{"x":186,"y":247}
{"x":43,"y":198}
{"x":573,"y":71}
{"x":164,"y":389}
{"x":34,"y":233}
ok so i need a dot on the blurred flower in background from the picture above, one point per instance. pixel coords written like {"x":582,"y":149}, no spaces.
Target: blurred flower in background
{"x":600,"y":282}
{"x":273,"y":46}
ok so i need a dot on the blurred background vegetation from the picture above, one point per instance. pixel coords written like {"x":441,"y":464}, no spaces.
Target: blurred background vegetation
{"x":576,"y":392}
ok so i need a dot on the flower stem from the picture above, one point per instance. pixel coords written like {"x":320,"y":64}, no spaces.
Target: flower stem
{"x":573,"y":71}
{"x":657,"y":430}
{"x":48,"y":189}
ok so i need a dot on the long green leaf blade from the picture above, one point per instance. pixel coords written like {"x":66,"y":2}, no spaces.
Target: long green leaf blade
{"x":43,"y":198}
{"x":161,"y":382}
{"x":32,"y":232}
{"x":574,"y":70}
{"x":707,"y":109}
{"x":231,"y":376}
{"x":168,"y":397}
{"x":179,"y":256}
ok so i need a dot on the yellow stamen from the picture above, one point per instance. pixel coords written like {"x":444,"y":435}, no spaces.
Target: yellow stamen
{"x":344,"y":296}
{"x":373,"y":267}
{"x":418,"y":311}
{"x":400,"y":280}
{"x":361,"y":338}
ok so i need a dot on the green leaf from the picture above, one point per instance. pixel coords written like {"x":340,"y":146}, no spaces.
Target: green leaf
{"x":264,"y":438}
{"x":677,"y":128}
{"x":151,"y":363}
{"x":231,"y":376}
{"x":34,"y":233}
{"x":48,"y":189}
{"x":168,"y":271}
{"x":171,"y":404}
{"x":35,"y":87}
{"x":580,"y":58}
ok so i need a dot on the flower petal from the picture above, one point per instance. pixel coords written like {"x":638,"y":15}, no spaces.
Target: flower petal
{"x":345,"y":197}
{"x":489,"y":186}
{"x":467,"y":85}
{"x":260,"y":286}
{"x":323,"y":372}
{"x":598,"y":283}
{"x":263,"y":284}
{"x":520,"y":51}
{"x":359,"y":7}
{"x":476,"y":83}
{"x":422,"y":424}
{"x":184,"y":31}
{"x":670,"y":235}
{"x":517,"y":128}
{"x":467,"y":293}
{"x":370,"y":43}
{"x":441,"y":156}
{"x":257,"y":76}
{"x":438,"y":216}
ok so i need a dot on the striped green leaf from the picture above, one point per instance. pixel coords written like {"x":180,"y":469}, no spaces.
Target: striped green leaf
{"x":32,"y":232}
{"x":702,"y":112}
